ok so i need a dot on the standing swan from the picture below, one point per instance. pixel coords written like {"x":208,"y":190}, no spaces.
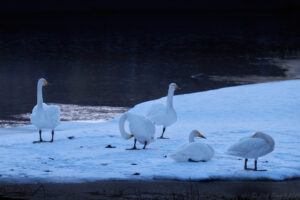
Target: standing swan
{"x":44,"y":116}
{"x":254,"y":147}
{"x":164,"y":115}
{"x":194,"y":151}
{"x":140,"y":128}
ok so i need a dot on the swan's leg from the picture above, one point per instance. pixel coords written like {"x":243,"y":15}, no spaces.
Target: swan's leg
{"x":255,"y":167}
{"x":162,"y":135}
{"x":245,"y":166}
{"x":40,"y":132}
{"x":41,"y":140}
{"x":52,"y":136}
{"x":145,"y":145}
{"x":134,"y":146}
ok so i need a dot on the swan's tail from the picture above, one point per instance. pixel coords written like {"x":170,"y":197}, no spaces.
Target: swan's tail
{"x":122,"y":121}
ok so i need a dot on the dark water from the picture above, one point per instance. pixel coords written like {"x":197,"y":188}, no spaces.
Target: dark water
{"x":119,"y":60}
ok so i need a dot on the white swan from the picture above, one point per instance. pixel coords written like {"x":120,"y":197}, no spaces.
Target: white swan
{"x":44,"y":116}
{"x":164,"y":115}
{"x":254,"y":147}
{"x":194,"y":151}
{"x":140,"y":128}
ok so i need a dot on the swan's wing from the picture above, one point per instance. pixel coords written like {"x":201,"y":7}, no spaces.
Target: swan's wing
{"x":53,"y":114}
{"x":141,"y":127}
{"x":194,"y":151}
{"x":249,"y":148}
{"x":156,"y":113}
{"x":200,"y":151}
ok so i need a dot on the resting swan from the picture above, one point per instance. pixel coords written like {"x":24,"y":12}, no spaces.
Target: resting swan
{"x":164,"y":115}
{"x":140,"y":128}
{"x":254,"y":147}
{"x":194,"y":151}
{"x":44,"y":116}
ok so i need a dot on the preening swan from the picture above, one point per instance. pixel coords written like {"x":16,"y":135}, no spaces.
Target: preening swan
{"x":164,"y":115}
{"x":44,"y":116}
{"x":194,"y":151}
{"x":254,"y":147}
{"x":140,"y":128}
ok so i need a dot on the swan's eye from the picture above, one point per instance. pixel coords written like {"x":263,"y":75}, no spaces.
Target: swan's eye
{"x":45,"y":83}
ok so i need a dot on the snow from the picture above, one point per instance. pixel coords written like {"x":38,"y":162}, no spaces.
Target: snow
{"x":223,"y":116}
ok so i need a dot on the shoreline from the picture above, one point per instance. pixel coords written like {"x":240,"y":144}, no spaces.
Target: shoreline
{"x":154,"y":189}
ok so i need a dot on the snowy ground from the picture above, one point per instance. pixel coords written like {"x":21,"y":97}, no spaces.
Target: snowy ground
{"x":222,"y":115}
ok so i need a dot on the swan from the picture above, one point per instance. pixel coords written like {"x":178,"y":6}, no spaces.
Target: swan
{"x":140,"y":128}
{"x":253,"y":147}
{"x":164,"y":115}
{"x":194,"y":151}
{"x":44,"y":116}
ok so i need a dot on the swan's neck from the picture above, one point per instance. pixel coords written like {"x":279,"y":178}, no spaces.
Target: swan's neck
{"x":39,"y":96}
{"x":122,"y":121}
{"x":192,"y":137}
{"x":170,"y":99}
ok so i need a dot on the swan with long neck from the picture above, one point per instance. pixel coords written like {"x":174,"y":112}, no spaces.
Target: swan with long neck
{"x":44,"y":116}
{"x":164,"y":115}
{"x":252,"y":147}
{"x":140,"y":128}
{"x":194,"y":151}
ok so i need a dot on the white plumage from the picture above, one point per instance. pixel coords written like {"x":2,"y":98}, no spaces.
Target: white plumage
{"x":194,"y":151}
{"x":164,"y":115}
{"x":140,"y":128}
{"x":253,"y":147}
{"x":44,"y":116}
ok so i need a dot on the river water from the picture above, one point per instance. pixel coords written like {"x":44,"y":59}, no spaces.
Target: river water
{"x":100,"y":65}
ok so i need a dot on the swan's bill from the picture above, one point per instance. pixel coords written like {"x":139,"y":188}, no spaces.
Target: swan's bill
{"x":200,"y":135}
{"x":45,"y":82}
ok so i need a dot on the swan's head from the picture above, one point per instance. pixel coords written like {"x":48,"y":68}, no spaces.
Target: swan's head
{"x":258,"y":135}
{"x":173,"y":86}
{"x":194,"y":134}
{"x":42,"y":82}
{"x":265,"y":137}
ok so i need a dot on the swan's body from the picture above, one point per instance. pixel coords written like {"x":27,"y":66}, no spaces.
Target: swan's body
{"x":140,"y":128}
{"x":164,"y":115}
{"x":253,"y":147}
{"x":193,"y":151}
{"x":44,"y":116}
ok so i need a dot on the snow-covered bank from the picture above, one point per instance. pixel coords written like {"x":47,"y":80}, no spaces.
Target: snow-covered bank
{"x":222,"y":115}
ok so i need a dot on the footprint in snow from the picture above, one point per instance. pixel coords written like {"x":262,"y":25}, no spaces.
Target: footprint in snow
{"x":133,"y":164}
{"x":136,"y":174}
{"x":47,"y":170}
{"x":104,"y":164}
{"x":51,"y":158}
{"x":71,"y":137}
